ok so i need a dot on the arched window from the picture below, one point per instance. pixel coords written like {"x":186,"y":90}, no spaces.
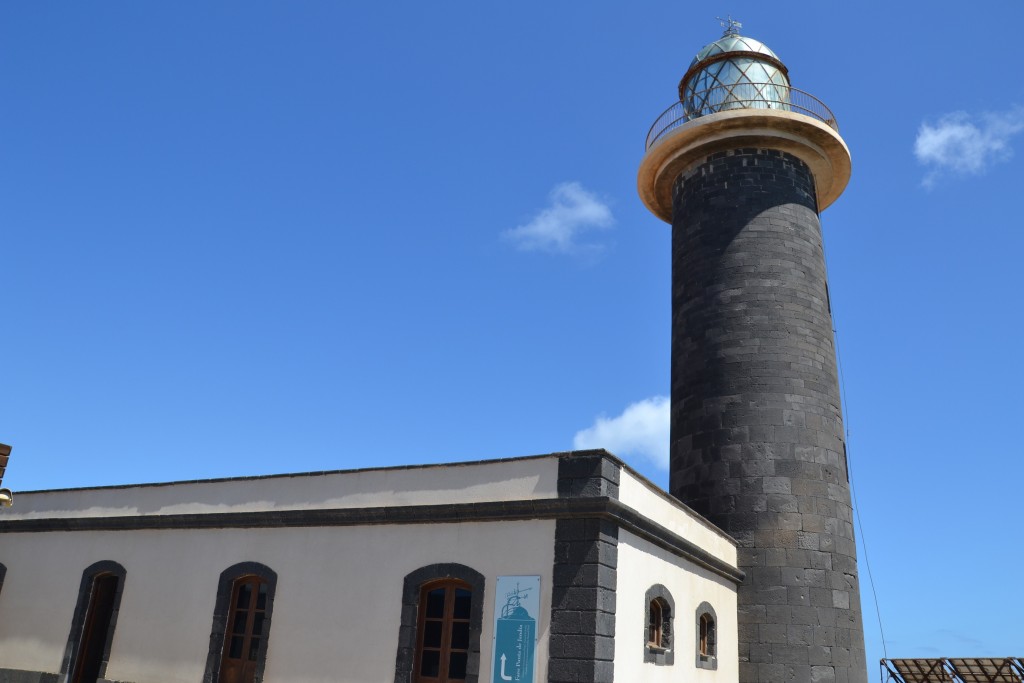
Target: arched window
{"x":707,"y":637}
{"x":658,"y":627}
{"x":442,"y":612}
{"x":654,"y":624}
{"x":241,"y":624}
{"x":92,"y":624}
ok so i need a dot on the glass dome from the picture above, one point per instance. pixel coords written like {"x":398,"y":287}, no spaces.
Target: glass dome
{"x":733,"y":42}
{"x":734,"y":72}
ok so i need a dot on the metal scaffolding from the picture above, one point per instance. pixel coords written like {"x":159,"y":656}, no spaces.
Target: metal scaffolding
{"x":943,"y":670}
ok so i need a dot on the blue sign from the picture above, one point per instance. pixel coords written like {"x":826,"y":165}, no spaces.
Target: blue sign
{"x":516,"y":605}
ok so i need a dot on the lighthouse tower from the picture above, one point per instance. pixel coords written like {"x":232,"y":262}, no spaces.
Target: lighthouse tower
{"x":741,"y":165}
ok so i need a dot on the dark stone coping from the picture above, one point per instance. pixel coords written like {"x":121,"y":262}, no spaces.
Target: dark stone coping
{"x":601,"y":507}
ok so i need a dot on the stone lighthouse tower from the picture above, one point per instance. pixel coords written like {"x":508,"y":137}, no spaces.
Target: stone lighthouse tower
{"x":741,"y":166}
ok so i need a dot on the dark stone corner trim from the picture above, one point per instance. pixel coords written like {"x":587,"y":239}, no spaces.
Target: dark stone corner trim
{"x":405,"y":659}
{"x":225,"y":586}
{"x":89,"y":575}
{"x":665,"y":655}
{"x":588,"y":474}
{"x":584,"y":580}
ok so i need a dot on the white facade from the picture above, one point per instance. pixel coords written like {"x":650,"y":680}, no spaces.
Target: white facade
{"x":642,"y":564}
{"x":341,"y":545}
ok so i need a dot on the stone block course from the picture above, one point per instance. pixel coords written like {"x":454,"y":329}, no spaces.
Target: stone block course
{"x":588,"y":475}
{"x":584,"y":580}
{"x":757,"y":436}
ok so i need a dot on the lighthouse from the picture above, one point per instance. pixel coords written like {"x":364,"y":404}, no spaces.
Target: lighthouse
{"x":741,"y":166}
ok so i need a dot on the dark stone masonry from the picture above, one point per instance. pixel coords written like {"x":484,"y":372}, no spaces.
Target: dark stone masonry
{"x":757,"y":439}
{"x":585,"y":577}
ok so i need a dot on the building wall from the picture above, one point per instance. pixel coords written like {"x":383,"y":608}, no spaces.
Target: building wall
{"x":336,"y":614}
{"x":655,"y":504}
{"x":496,"y":480}
{"x":341,"y":545}
{"x":642,"y":565}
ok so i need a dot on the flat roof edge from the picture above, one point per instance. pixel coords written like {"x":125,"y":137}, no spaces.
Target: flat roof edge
{"x":321,"y":473}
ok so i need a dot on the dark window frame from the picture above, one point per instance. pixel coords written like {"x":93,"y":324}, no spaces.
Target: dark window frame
{"x":662,"y":654}
{"x":413,"y":584}
{"x":85,"y":588}
{"x":221,"y":614}
{"x":707,"y":644}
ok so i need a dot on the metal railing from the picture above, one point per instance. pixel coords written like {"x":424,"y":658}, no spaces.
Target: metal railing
{"x":740,"y":96}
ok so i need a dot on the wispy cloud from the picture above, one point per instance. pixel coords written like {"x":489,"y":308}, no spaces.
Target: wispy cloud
{"x":558,"y":228}
{"x":962,"y":144}
{"x":641,"y":431}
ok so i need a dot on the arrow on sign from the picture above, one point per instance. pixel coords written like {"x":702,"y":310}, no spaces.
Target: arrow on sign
{"x":504,"y":676}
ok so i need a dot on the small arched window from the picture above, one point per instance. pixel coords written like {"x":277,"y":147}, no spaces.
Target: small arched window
{"x":707,"y":637}
{"x":93,"y":622}
{"x":241,"y":624}
{"x":442,"y":615}
{"x":658,"y":647}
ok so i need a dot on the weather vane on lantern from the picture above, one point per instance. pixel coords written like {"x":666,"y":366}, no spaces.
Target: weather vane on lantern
{"x":731,"y":26}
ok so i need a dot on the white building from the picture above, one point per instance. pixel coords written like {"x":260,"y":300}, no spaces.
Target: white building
{"x":369,"y":576}
{"x":566,"y":568}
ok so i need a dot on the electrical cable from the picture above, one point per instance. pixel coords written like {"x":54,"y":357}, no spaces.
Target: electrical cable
{"x":849,"y":468}
{"x":853,"y":492}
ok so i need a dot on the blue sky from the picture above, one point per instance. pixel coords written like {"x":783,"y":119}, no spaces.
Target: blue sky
{"x":259,"y":237}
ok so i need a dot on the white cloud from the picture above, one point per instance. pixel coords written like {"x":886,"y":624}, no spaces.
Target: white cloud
{"x":557,"y":228}
{"x":962,"y":144}
{"x":641,"y":431}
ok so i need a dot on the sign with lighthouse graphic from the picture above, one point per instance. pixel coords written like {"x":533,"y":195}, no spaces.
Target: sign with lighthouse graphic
{"x":516,"y":604}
